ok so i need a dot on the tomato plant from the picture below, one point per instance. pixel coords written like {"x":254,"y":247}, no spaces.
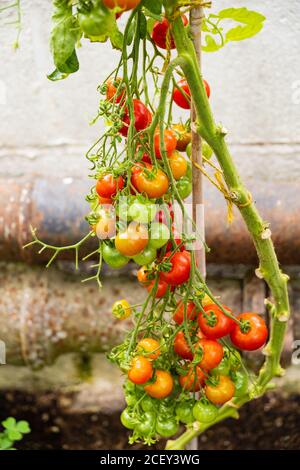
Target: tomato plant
{"x":177,"y":344}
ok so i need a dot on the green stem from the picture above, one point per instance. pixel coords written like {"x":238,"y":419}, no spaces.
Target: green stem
{"x":269,"y":267}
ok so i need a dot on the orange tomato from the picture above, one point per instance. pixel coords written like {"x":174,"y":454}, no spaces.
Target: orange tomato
{"x":141,"y":370}
{"x":146,"y":179}
{"x":222,"y":392}
{"x":192,"y":381}
{"x":169,"y":140}
{"x":163,"y":385}
{"x":149,"y":347}
{"x":133,"y":240}
{"x":178,"y":165}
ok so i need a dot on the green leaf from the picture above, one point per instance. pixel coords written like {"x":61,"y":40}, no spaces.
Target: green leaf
{"x":5,"y":443}
{"x":153,"y":6}
{"x":142,"y":26}
{"x":23,"y":427}
{"x":211,"y":44}
{"x":64,"y":36}
{"x":14,"y":435}
{"x":239,"y":33}
{"x":116,"y":39}
{"x":154,"y":16}
{"x":242,"y":15}
{"x":9,"y":423}
{"x":57,"y":75}
{"x":252,"y":21}
{"x":150,"y":24}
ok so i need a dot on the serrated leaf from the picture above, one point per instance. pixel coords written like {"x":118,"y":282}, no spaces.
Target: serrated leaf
{"x":153,"y":6}
{"x":239,"y":33}
{"x":211,"y":44}
{"x":9,"y":423}
{"x":23,"y":427}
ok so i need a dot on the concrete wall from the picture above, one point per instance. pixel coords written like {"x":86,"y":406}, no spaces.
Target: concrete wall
{"x":255,"y":93}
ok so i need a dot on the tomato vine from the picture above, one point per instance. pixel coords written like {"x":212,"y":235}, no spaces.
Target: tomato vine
{"x":180,"y":364}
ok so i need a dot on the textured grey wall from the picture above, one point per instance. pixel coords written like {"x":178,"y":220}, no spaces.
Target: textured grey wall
{"x":255,"y":93}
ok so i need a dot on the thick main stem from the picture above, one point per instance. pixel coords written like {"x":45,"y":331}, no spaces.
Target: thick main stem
{"x":269,"y":267}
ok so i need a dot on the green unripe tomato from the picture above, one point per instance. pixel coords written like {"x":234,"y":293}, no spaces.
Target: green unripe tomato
{"x":189,"y":150}
{"x":184,"y":187}
{"x":143,"y":212}
{"x":148,"y":404}
{"x":204,"y":411}
{"x":166,"y":427}
{"x":184,"y":412}
{"x":206,"y":150}
{"x":159,"y":235}
{"x":146,"y":427}
{"x":146,"y":256}
{"x":97,"y":21}
{"x":240,"y":380}
{"x":113,"y":257}
{"x":127,"y":419}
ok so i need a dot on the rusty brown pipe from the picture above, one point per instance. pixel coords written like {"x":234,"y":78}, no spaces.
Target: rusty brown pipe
{"x":56,"y":207}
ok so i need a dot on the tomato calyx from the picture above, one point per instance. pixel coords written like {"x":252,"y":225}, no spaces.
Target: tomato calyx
{"x":245,"y":326}
{"x":211,"y":318}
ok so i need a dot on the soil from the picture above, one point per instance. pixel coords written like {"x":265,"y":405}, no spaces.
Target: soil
{"x":271,"y":422}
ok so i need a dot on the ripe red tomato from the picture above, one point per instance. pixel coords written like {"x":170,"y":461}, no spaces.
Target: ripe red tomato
{"x":105,"y":200}
{"x":142,"y":117}
{"x":160,"y":32}
{"x":252,"y":334}
{"x":212,"y":353}
{"x":150,"y":181}
{"x":133,"y":240}
{"x":191,"y":312}
{"x":123,"y":4}
{"x":214,"y":323}
{"x":112,"y":88}
{"x":182,"y":95}
{"x":163,"y":385}
{"x":169,"y":140}
{"x":107,"y":186}
{"x":149,"y":347}
{"x":181,"y":346}
{"x":177,"y":240}
{"x":222,"y":392}
{"x":162,"y":288}
{"x":180,"y":269}
{"x":193,"y":379}
{"x":141,"y":370}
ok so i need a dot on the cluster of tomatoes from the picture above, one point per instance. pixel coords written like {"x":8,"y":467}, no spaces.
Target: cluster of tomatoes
{"x":181,"y":358}
{"x":166,"y":370}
